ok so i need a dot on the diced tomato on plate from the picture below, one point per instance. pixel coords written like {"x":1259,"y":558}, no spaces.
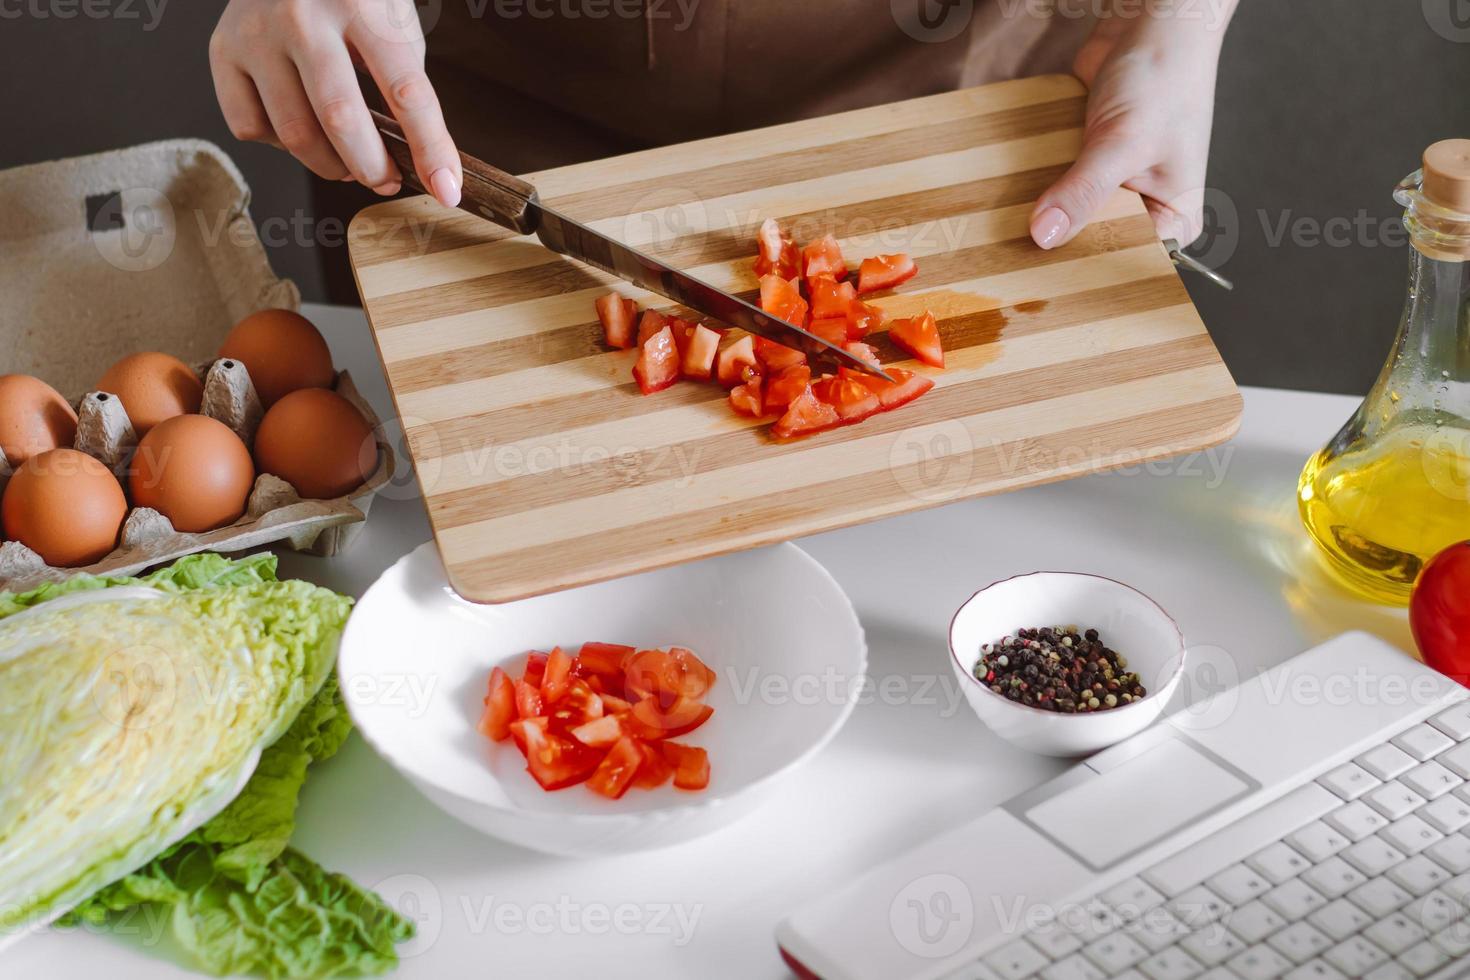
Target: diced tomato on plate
{"x":614,"y":774}
{"x":691,"y":764}
{"x":500,"y":707}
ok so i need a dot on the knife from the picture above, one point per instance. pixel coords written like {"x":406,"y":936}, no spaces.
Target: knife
{"x":513,"y":203}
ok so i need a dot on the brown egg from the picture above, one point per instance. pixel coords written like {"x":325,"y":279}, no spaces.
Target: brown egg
{"x":153,"y":387}
{"x":65,"y":506}
{"x":283,"y":353}
{"x":33,"y":418}
{"x":318,"y":442}
{"x":193,"y":470}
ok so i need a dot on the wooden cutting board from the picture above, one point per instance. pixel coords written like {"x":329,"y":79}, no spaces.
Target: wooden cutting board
{"x":543,"y":467}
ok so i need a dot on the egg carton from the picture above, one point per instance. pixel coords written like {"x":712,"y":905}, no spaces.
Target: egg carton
{"x":275,"y":512}
{"x":151,"y":248}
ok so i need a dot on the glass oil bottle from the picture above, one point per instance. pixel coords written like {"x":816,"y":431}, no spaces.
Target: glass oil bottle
{"x":1392,"y":489}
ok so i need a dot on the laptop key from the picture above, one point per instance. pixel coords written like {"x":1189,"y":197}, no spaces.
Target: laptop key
{"x":1239,"y":884}
{"x":1294,"y":900}
{"x":1116,"y":952}
{"x":1315,"y":970}
{"x":1396,"y":933}
{"x":1074,"y":967}
{"x":1373,"y":856}
{"x":1260,"y":963}
{"x":1434,"y":911}
{"x":1393,"y":799}
{"x":1340,"y":919}
{"x":1430,"y":780}
{"x":1300,"y":942}
{"x":1389,"y":971}
{"x":1355,"y":956}
{"x":1410,"y":834}
{"x":1423,"y":742}
{"x":1212,"y":945}
{"x":1255,"y":921}
{"x":1423,"y":958}
{"x":1334,"y":877}
{"x":1446,"y":814}
{"x":1386,"y":761}
{"x":1172,"y":964}
{"x":1454,"y":721}
{"x":1418,"y":875}
{"x":1379,"y":897}
{"x":1319,"y":842}
{"x":1349,"y":781}
{"x":1356,"y":820}
{"x":1016,"y":960}
{"x":1452,"y":854}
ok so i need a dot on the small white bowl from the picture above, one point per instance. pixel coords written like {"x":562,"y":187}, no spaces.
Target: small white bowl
{"x":1129,"y":622}
{"x":783,"y":639}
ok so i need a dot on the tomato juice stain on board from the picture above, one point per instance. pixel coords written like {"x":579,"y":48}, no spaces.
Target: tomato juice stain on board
{"x":1032,"y":306}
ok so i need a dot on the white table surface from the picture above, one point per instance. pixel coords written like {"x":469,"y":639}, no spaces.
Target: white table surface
{"x":1214,"y":538}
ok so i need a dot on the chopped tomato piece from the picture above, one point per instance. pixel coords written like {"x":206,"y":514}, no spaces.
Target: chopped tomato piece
{"x":669,"y":675}
{"x":885,"y":272}
{"x":861,"y":351}
{"x":862,"y":320}
{"x":823,"y":257}
{"x":775,"y":357}
{"x":806,"y":415}
{"x":654,"y":770}
{"x":528,"y":700}
{"x":614,"y":774}
{"x":683,"y":330}
{"x":920,"y":337}
{"x":651,"y":721}
{"x":616,"y":314}
{"x":691,"y":764}
{"x":834,"y":330}
{"x":782,"y":390}
{"x":732,"y":361}
{"x":615,"y":705}
{"x":747,"y":399}
{"x":776,"y":252}
{"x":698,"y":359}
{"x":599,"y":732}
{"x":557,"y":761}
{"x":535,"y":667}
{"x":689,"y":676}
{"x":579,"y":705}
{"x":853,"y":400}
{"x":781,"y":299}
{"x":904,"y":388}
{"x":558,"y":675}
{"x":658,"y":362}
{"x":651,"y":323}
{"x":831,"y":298}
{"x":500,"y":706}
{"x":603,"y":659}
{"x":644,"y":672}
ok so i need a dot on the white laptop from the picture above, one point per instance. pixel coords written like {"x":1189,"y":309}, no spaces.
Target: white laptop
{"x":1312,"y":823}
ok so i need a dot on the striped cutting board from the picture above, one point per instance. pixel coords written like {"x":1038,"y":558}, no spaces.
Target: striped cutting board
{"x":544,"y":468}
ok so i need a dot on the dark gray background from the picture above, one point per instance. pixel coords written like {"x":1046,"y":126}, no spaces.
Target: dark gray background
{"x":1324,"y":105}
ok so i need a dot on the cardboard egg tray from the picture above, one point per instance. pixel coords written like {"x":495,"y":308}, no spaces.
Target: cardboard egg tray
{"x":150,"y":248}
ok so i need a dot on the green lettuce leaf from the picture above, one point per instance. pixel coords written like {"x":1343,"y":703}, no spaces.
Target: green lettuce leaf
{"x":242,"y":901}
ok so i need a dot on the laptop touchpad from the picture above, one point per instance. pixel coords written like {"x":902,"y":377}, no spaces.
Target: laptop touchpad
{"x":1137,"y":803}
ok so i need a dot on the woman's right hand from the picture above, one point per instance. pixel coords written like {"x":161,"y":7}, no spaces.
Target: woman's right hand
{"x":284,"y":74}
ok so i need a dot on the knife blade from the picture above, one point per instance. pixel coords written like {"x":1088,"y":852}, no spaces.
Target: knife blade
{"x":513,"y":203}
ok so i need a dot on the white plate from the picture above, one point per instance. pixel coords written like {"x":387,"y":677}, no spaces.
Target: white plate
{"x":780,"y":634}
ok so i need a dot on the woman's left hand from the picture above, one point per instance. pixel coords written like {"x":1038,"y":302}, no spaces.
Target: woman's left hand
{"x":1152,"y":81}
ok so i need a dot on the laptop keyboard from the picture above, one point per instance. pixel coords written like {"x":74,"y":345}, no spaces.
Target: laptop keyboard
{"x":1369,"y":879}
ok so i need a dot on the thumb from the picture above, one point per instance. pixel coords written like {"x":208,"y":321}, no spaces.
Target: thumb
{"x":1070,"y":204}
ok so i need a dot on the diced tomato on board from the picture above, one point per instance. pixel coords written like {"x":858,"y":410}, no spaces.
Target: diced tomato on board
{"x":775,"y":358}
{"x":823,"y":258}
{"x":920,"y":337}
{"x":831,"y":298}
{"x":805,"y":416}
{"x":781,"y":299}
{"x":904,"y":388}
{"x":853,"y":400}
{"x":698,"y":359}
{"x":834,"y":330}
{"x":617,"y":315}
{"x":658,"y":362}
{"x":733,"y":360}
{"x":649,"y":324}
{"x":782,"y":390}
{"x":885,"y":272}
{"x":748,"y":399}
{"x":776,"y":252}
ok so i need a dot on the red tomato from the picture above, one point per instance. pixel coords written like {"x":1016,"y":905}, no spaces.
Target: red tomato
{"x":555,"y":761}
{"x":823,"y":257}
{"x":776,"y":252}
{"x":862,"y":320}
{"x":644,"y":672}
{"x":615,"y":705}
{"x":831,"y":298}
{"x":861,"y":351}
{"x":1440,"y":613}
{"x":689,"y":676}
{"x":700,"y":352}
{"x":614,"y":774}
{"x":599,"y":732}
{"x":528,"y":700}
{"x":904,"y":388}
{"x":853,"y":400}
{"x":885,"y":272}
{"x":806,"y":415}
{"x":691,"y":764}
{"x":731,"y":362}
{"x":603,"y":659}
{"x":578,"y":706}
{"x":651,"y":721}
{"x":658,"y":362}
{"x":784,"y":387}
{"x":747,"y":399}
{"x":652,"y":322}
{"x":775,"y":358}
{"x":500,"y":706}
{"x":781,"y":299}
{"x":920,"y":337}
{"x":616,"y":314}
{"x":654,"y":770}
{"x":558,"y":674}
{"x":834,"y":330}
{"x":535,"y":667}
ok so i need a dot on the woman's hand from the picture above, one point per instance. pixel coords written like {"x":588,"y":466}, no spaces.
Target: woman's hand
{"x":284,"y":74}
{"x":1152,"y":81}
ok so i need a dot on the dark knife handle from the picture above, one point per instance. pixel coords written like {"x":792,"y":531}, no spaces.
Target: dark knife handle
{"x":488,"y":191}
